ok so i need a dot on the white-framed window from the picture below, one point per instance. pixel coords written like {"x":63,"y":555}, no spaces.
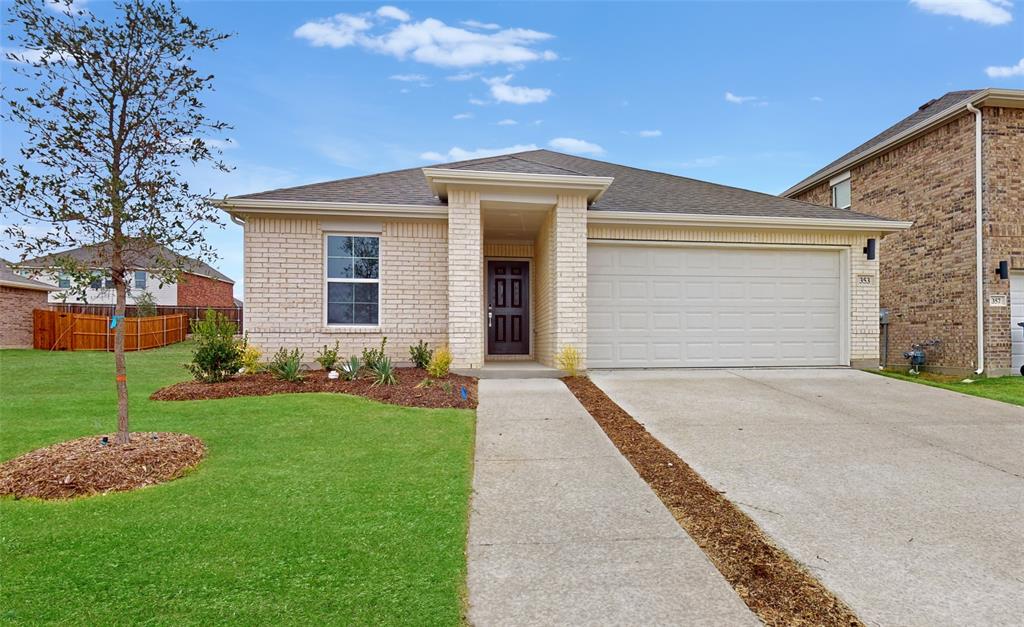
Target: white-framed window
{"x":352,"y":280}
{"x":139,"y":280}
{"x":841,"y":191}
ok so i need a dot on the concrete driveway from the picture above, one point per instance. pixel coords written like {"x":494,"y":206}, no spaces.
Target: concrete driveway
{"x":907,"y":501}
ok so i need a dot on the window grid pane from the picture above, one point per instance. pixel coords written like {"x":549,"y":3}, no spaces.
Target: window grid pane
{"x":353,"y":272}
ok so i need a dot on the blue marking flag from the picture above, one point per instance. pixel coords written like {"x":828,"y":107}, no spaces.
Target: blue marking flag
{"x":463,"y":392}
{"x":114,"y":320}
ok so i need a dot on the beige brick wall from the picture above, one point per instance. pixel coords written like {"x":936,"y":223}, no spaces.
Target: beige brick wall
{"x":561,"y":276}
{"x":863,"y":296}
{"x":284,"y":295}
{"x":465,"y":279}
{"x":928,"y":272}
{"x":16,"y":307}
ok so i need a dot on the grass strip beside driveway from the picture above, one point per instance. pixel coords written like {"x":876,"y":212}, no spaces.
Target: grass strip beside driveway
{"x":1005,"y":389}
{"x":309,"y":509}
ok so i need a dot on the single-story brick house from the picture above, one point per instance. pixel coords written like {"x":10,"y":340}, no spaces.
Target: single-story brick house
{"x":958,"y":275}
{"x":18,"y":297}
{"x":198,"y":285}
{"x":518,"y":256}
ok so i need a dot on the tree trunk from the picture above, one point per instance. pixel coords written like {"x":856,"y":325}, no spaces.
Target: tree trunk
{"x":119,"y":365}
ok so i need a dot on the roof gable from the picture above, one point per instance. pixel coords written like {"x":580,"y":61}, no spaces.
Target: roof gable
{"x":150,"y":258}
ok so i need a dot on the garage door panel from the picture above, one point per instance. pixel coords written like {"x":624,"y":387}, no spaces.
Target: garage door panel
{"x":705,"y":307}
{"x":1016,"y":316}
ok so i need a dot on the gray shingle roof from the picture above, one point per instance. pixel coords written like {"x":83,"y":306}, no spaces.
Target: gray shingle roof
{"x":10,"y":278}
{"x":633,"y":189}
{"x":97,"y":254}
{"x":924,"y":112}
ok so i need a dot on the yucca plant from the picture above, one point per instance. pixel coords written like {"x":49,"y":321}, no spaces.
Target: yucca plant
{"x":384,"y":372}
{"x":287,"y":365}
{"x":350,"y":369}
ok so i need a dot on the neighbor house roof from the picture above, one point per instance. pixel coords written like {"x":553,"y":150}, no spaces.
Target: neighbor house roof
{"x":95,"y":255}
{"x":936,"y":111}
{"x":633,"y":189}
{"x":9,"y":278}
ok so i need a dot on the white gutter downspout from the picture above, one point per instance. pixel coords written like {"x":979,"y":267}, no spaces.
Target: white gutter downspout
{"x":978,"y":235}
{"x":236,"y":219}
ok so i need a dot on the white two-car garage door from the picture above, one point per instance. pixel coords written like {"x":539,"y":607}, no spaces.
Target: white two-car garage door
{"x":658,"y":306}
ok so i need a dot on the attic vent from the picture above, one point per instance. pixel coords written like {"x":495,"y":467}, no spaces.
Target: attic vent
{"x":927,"y":104}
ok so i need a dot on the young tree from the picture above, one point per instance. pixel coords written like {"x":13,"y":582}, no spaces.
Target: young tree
{"x":111,"y":112}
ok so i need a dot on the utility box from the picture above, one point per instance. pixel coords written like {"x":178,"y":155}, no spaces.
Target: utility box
{"x":883,"y":316}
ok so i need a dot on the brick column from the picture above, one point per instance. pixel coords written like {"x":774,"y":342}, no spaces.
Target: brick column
{"x":570,"y":269}
{"x":465,"y":279}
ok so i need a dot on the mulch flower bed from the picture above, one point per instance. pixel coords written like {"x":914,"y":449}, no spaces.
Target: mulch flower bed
{"x":443,"y":392}
{"x":772,"y":584}
{"x":86,"y":466}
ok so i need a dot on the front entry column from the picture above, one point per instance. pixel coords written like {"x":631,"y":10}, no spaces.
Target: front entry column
{"x":570,"y":231}
{"x":465,"y":279}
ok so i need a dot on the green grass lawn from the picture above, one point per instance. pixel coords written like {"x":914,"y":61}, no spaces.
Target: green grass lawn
{"x":1006,"y":389}
{"x":310,"y":508}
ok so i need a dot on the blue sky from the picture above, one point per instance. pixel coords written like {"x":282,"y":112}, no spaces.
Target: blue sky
{"x":752,"y":94}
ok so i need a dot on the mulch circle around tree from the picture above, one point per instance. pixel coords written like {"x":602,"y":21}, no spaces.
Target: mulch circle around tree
{"x":772,"y":584}
{"x":87,"y":466}
{"x":444,"y":392}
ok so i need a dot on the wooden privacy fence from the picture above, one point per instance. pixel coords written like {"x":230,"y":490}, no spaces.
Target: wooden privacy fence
{"x":66,"y":331}
{"x":234,"y":314}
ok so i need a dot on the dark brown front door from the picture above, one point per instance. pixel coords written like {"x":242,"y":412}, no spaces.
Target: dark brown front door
{"x":508,"y":308}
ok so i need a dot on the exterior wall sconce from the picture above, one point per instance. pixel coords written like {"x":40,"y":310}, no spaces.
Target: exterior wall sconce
{"x":1003,"y":270}
{"x":870,"y":249}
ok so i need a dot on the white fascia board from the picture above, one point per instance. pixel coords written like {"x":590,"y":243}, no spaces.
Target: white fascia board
{"x":640,"y":218}
{"x":440,"y":178}
{"x":992,"y":97}
{"x":236,"y":206}
{"x":26,"y":286}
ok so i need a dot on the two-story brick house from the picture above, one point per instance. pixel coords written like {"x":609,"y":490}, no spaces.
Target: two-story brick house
{"x":958,"y":273}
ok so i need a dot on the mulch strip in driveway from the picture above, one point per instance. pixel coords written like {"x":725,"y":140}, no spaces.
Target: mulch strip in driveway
{"x":444,"y":392}
{"x":87,"y":466}
{"x":772,"y":584}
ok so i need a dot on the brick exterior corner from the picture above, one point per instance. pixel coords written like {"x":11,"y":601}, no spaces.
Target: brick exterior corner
{"x":927,"y":273}
{"x":16,"y":307}
{"x":465,"y":279}
{"x":200,"y":291}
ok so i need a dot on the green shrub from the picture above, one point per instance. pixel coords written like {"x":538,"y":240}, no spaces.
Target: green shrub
{"x":218,"y":355}
{"x":350,"y":369}
{"x":420,"y":354}
{"x":569,"y":360}
{"x":440,"y":362}
{"x":287,"y":365}
{"x":384,"y":372}
{"x":328,"y":357}
{"x":372,"y":356}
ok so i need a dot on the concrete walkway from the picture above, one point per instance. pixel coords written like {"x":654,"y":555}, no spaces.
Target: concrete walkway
{"x":564,"y":532}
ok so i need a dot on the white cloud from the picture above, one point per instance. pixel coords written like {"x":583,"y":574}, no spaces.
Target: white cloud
{"x":462,"y":116}
{"x":1005,"y":71}
{"x":651,"y":133}
{"x":575,"y":146}
{"x":24,"y":56}
{"x":503,"y":92}
{"x":817,"y":99}
{"x":507,"y":122}
{"x":429,"y":41}
{"x":408,"y":78}
{"x":393,"y":13}
{"x":702,"y":162}
{"x":462,"y":76}
{"x":335,"y":32}
{"x":478,"y":102}
{"x":60,"y":6}
{"x":461,"y":154}
{"x":480,"y":25}
{"x":220,"y":144}
{"x":733,"y":98}
{"x":992,"y":12}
